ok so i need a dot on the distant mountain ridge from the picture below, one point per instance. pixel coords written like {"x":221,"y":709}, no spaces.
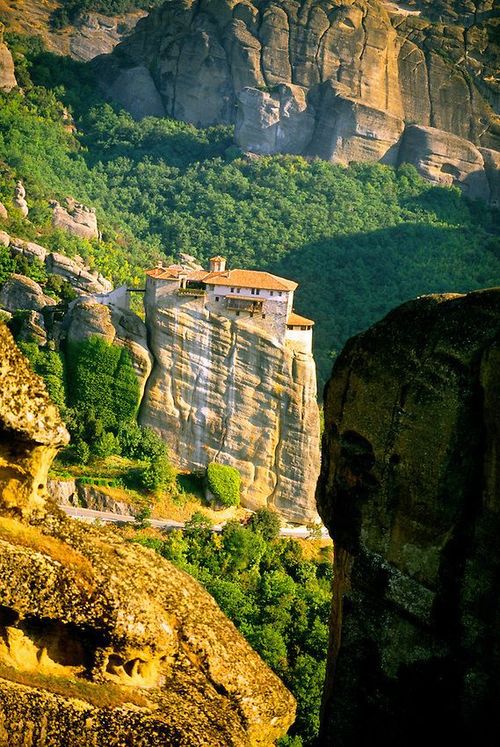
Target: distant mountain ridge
{"x":363,"y":80}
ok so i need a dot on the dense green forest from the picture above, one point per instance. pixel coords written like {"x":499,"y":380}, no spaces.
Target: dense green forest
{"x":276,"y":596}
{"x":359,"y":240}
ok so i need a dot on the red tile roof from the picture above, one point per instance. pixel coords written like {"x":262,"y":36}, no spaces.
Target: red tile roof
{"x":250,"y":279}
{"x":295,"y":320}
{"x":232,"y":278}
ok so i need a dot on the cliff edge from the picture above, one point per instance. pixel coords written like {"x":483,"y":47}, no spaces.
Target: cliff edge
{"x":228,"y":390}
{"x":410,"y":491}
{"x":103,"y":642}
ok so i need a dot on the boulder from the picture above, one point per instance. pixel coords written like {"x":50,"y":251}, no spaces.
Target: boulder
{"x":28,"y":249}
{"x":76,"y":273}
{"x":20,"y":292}
{"x":7,"y":72}
{"x":20,"y":199}
{"x":103,"y":641}
{"x":75,"y":218}
{"x":3,"y":212}
{"x":32,"y":328}
{"x":410,"y":491}
{"x":4,"y":239}
{"x":445,"y":159}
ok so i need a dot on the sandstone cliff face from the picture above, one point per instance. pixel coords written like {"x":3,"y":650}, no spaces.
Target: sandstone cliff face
{"x":410,"y":491}
{"x":103,"y":642}
{"x":333,"y":78}
{"x":228,"y":391}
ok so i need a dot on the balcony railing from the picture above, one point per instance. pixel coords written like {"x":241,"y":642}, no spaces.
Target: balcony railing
{"x":196,"y":292}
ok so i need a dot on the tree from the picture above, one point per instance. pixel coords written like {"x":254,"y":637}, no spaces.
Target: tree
{"x":265,"y":522}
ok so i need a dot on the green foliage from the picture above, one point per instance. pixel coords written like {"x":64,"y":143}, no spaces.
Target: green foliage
{"x":48,"y":364}
{"x":59,"y":288}
{"x":224,"y":483}
{"x":142,"y":517}
{"x":100,"y":386}
{"x":265,"y":522}
{"x":158,"y":475}
{"x":278,"y":600}
{"x":359,"y":240}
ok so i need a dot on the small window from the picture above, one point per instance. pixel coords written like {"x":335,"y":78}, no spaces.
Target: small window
{"x":272,"y":293}
{"x":279,"y":293}
{"x":263,"y":316}
{"x":216,"y":298}
{"x":253,"y":291}
{"x":257,"y":291}
{"x":232,"y":290}
{"x":238,"y":290}
{"x":303,"y":327}
{"x":237,"y":313}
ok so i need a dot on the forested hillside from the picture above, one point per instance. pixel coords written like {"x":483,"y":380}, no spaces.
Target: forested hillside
{"x":359,"y":240}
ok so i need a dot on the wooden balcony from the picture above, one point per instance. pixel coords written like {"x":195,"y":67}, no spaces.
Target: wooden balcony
{"x":253,"y":305}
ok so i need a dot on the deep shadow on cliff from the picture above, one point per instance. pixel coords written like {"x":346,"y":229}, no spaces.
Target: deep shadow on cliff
{"x":410,"y":491}
{"x":367,"y":274}
{"x":101,"y":641}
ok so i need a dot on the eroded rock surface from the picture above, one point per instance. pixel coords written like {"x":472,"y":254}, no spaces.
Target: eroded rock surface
{"x":88,"y":318}
{"x":411,"y":494}
{"x":229,"y":391}
{"x":335,"y":78}
{"x":103,"y":642}
{"x":31,"y":431}
{"x":75,"y":218}
{"x":7,"y":73}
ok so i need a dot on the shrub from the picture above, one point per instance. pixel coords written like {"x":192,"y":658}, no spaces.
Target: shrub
{"x":224,"y":483}
{"x":158,"y":475}
{"x":106,"y":445}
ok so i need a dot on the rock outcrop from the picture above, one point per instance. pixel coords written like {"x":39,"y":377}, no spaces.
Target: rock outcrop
{"x":20,"y":292}
{"x":410,"y":491}
{"x":75,"y":218}
{"x":228,"y":391}
{"x":115,"y":324}
{"x":103,"y":642}
{"x":7,"y":73}
{"x":339,"y":79}
{"x":31,"y":431}
{"x":91,"y":33}
{"x":20,"y":199}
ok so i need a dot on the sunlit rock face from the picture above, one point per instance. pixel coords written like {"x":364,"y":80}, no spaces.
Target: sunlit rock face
{"x":410,"y":491}
{"x":103,"y":642}
{"x":338,"y":79}
{"x":230,"y":391}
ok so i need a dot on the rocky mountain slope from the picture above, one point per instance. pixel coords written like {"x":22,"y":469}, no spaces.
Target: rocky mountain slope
{"x":410,"y":491}
{"x":103,"y":642}
{"x":364,"y":80}
{"x":92,"y":33}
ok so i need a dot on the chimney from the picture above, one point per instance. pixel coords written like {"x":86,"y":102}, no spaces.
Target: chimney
{"x":217,"y":264}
